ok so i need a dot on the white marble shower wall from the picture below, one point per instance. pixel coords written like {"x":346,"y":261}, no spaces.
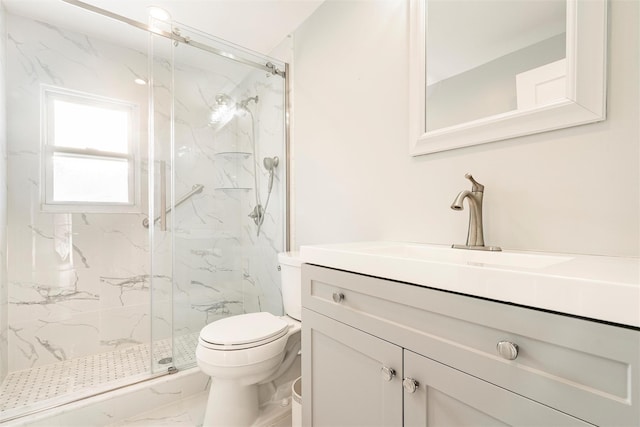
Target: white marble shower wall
{"x":260,"y":270}
{"x":217,"y":262}
{"x":78,"y":283}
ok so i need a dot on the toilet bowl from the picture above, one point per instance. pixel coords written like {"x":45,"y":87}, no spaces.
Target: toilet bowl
{"x":241,"y":352}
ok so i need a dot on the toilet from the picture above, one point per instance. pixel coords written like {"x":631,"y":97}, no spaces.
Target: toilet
{"x":241,"y":352}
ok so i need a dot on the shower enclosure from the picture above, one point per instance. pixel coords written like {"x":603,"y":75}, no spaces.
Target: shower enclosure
{"x":146,"y":197}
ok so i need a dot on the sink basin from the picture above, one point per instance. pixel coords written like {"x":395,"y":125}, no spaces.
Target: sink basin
{"x":463,"y":256}
{"x":596,"y":287}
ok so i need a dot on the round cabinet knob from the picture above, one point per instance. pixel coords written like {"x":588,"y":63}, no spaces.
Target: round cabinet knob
{"x":410,"y":385}
{"x":507,"y":350}
{"x":338,"y":297}
{"x":387,"y":373}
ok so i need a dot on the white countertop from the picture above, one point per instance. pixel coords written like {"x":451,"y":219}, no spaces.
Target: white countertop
{"x":596,"y":287}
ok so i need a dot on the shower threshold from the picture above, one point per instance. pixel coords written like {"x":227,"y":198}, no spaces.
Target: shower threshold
{"x":43,"y":387}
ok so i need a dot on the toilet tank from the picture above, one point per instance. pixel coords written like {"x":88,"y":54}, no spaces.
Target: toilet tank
{"x":291,"y":279}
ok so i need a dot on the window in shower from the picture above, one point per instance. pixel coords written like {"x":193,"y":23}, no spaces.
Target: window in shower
{"x":89,"y":152}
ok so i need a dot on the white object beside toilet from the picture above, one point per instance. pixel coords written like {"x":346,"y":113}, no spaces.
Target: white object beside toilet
{"x":291,"y":278}
{"x":241,"y":352}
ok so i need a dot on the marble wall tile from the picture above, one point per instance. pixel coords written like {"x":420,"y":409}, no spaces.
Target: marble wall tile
{"x":42,"y":341}
{"x":261,"y":269}
{"x":212,"y":253}
{"x":77,"y":283}
{"x":63,"y":297}
{"x":124,"y":326}
{"x":94,"y":271}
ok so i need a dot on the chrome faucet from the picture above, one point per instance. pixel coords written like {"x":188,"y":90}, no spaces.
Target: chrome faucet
{"x":475,"y":237}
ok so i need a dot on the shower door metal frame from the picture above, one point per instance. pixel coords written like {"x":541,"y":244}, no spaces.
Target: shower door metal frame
{"x":268,"y":66}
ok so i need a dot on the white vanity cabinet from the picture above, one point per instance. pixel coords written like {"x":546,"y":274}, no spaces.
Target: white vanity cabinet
{"x":555,"y":369}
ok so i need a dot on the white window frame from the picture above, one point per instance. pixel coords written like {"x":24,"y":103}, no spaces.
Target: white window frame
{"x":49,"y":94}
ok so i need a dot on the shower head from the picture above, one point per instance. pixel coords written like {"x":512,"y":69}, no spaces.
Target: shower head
{"x":245,"y":102}
{"x":222,"y":111}
{"x":225,"y":108}
{"x":270,"y":163}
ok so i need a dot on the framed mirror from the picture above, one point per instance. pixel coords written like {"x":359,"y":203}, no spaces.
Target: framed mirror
{"x":489,"y":70}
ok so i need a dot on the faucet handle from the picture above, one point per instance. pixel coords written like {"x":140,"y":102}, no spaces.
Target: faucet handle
{"x":476,"y":185}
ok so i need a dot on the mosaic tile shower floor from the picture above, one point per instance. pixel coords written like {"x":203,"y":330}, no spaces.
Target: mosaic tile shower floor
{"x":53,"y":384}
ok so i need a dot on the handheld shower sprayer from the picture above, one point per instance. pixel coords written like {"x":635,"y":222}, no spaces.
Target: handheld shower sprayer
{"x":257,"y":214}
{"x":270,"y":164}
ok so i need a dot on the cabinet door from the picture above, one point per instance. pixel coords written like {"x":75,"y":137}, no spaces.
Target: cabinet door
{"x":344,"y":383}
{"x":448,"y":397}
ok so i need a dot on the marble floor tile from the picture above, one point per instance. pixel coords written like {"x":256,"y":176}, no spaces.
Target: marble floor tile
{"x":189,"y":412}
{"x":29,"y":389}
{"x":185,"y":412}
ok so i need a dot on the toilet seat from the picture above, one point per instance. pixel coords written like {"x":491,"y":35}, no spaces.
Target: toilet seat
{"x":243,"y":331}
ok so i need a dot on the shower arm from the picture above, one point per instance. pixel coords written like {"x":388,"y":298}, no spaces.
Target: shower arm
{"x":197,"y":188}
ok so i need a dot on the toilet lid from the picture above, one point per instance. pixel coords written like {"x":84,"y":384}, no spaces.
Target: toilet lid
{"x":244,"y":329}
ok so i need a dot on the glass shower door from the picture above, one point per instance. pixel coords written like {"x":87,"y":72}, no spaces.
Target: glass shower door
{"x":161,"y":163}
{"x":227,"y":221}
{"x":77,"y":294}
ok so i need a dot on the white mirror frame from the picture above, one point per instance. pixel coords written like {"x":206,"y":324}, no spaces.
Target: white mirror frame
{"x":586,"y":86}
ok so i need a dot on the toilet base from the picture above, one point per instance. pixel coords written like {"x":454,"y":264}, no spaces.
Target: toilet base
{"x":231,"y":404}
{"x":274,"y":400}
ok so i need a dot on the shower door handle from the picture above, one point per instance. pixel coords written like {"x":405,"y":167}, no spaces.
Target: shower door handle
{"x":163,"y":196}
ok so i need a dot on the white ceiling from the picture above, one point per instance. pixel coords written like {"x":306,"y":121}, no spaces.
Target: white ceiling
{"x":258,"y":25}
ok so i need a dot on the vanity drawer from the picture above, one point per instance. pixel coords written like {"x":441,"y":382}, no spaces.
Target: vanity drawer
{"x":584,"y":368}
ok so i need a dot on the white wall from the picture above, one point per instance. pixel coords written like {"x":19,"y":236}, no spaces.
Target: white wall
{"x":3,"y":200}
{"x":573,"y":190}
